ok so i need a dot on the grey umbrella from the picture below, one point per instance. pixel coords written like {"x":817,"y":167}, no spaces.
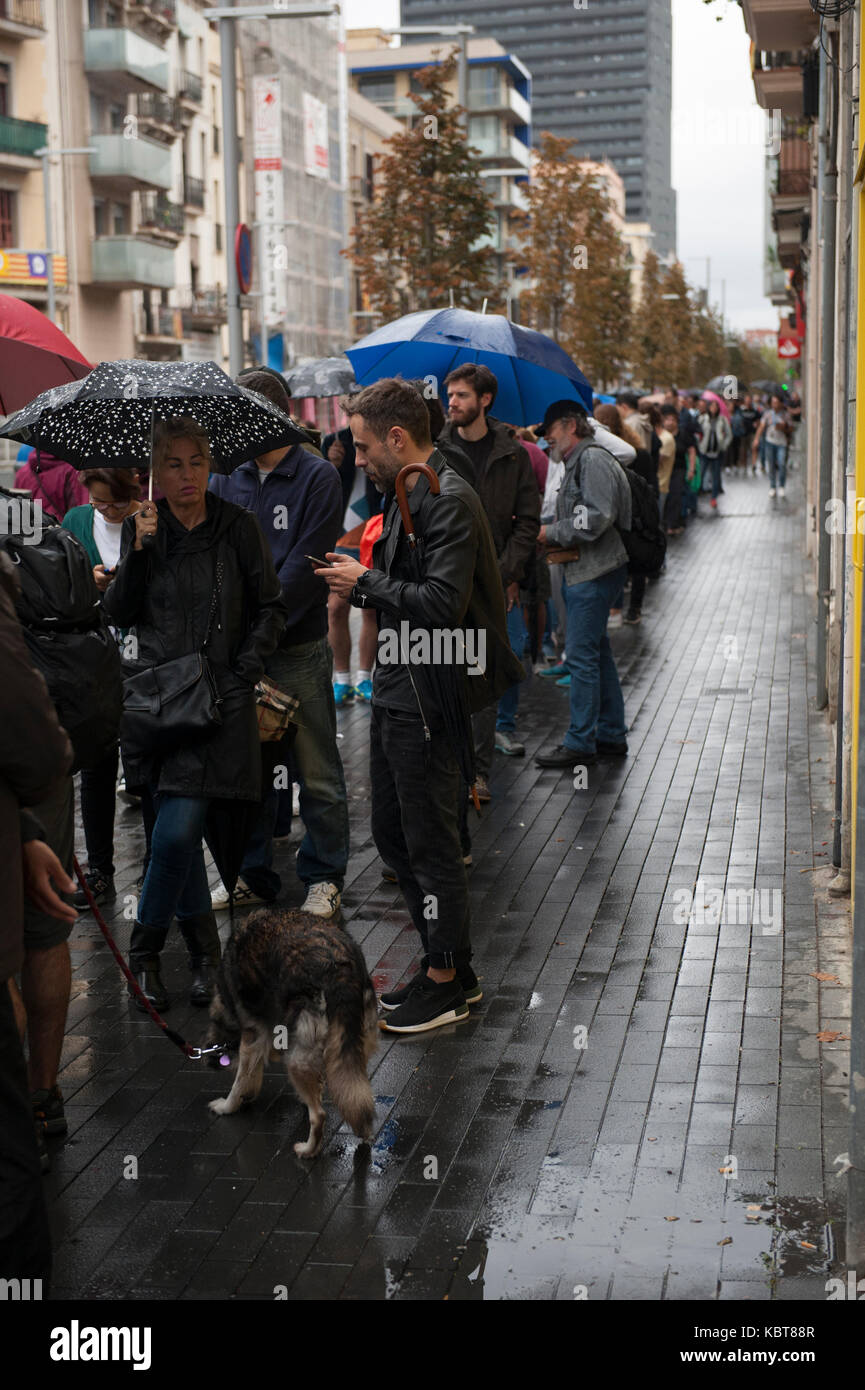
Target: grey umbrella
{"x":327,"y":376}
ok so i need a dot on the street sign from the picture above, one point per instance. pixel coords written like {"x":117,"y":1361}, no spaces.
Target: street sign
{"x":243,"y":257}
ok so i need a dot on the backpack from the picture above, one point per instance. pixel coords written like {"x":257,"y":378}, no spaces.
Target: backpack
{"x":645,"y":542}
{"x":67,"y":635}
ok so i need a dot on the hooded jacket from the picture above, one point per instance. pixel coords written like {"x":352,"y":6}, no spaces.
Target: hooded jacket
{"x":593,"y":499}
{"x":164,"y":593}
{"x":34,"y":753}
{"x":461,"y":585}
{"x":508,"y":491}
{"x":53,"y":482}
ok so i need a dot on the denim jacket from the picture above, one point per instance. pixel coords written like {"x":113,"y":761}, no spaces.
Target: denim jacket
{"x":594,"y":495}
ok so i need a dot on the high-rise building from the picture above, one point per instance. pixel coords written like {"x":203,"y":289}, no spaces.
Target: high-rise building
{"x":601,"y":75}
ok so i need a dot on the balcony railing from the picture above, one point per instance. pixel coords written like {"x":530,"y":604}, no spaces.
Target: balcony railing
{"x":160,"y":321}
{"x":21,"y":137}
{"x":161,"y":214}
{"x":193,"y":191}
{"x":159,"y":109}
{"x":25,"y":12}
{"x":132,"y":262}
{"x":162,"y":12}
{"x":119,"y":61}
{"x":203,"y":308}
{"x":191,"y":87}
{"x":130,"y":164}
{"x":794,"y":167}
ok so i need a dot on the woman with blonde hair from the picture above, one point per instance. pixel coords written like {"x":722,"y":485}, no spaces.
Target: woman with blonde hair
{"x":195,"y":576}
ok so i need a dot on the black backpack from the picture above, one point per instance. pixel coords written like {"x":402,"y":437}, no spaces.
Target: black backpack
{"x":646,"y":542}
{"x":68,"y":637}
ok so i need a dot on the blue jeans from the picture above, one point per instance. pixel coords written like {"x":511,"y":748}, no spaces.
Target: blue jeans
{"x":713,"y":464}
{"x":597,"y":707}
{"x":176,"y":879}
{"x":517,"y":636}
{"x":776,"y":461}
{"x":305,"y":671}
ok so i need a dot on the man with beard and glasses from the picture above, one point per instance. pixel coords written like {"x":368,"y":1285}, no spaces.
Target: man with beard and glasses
{"x":593,"y":501}
{"x":506,"y":484}
{"x":416,"y":784}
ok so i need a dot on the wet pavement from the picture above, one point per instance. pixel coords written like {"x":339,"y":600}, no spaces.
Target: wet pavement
{"x":639,"y":1108}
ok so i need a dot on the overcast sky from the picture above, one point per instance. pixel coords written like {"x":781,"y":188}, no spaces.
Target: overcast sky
{"x":718,"y":151}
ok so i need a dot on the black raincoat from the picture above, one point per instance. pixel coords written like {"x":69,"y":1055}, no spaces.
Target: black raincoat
{"x":163,"y":593}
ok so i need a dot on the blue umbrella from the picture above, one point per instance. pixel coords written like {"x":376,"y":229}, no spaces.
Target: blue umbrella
{"x":531,"y":369}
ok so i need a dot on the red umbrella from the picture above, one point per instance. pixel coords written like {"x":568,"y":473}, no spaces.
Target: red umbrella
{"x":34,"y":355}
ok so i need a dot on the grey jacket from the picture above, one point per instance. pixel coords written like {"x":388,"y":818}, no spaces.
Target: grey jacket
{"x":593,"y":496}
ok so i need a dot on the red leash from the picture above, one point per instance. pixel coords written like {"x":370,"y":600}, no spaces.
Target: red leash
{"x":195,"y":1053}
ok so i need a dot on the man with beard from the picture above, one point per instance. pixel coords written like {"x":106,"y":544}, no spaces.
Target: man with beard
{"x":506,"y":484}
{"x":593,"y":500}
{"x":416,"y":786}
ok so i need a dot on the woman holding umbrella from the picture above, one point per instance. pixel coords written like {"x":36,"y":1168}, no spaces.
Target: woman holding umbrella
{"x":195,"y":576}
{"x":715,"y":438}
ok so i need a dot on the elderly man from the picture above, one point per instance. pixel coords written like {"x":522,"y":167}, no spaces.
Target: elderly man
{"x":593,"y":500}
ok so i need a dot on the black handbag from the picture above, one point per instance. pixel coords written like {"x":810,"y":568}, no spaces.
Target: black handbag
{"x":174,"y":703}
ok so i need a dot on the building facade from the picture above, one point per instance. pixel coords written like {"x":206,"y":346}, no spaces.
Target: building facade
{"x":602,"y":76}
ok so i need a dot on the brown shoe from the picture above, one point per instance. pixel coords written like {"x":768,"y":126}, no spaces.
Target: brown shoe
{"x":482,"y":789}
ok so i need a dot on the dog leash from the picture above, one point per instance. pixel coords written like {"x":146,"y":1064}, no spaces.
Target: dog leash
{"x":196,"y":1054}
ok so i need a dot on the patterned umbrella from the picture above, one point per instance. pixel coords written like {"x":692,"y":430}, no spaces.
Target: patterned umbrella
{"x":328,"y":376}
{"x":106,"y":419}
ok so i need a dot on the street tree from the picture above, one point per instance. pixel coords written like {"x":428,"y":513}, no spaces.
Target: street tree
{"x":423,"y":235}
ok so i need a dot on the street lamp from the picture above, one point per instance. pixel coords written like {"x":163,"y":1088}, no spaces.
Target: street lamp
{"x":449,"y":31}
{"x":44,"y":153}
{"x":226,"y":15}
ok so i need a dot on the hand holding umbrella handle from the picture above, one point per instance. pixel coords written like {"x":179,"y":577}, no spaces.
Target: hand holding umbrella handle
{"x":435,"y":488}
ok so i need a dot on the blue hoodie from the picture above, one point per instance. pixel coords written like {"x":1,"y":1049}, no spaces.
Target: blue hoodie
{"x":299,"y":508}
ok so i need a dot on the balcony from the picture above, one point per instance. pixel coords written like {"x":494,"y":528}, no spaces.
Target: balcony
{"x":794,"y":167}
{"x":775,"y":284}
{"x":504,"y":99}
{"x":161,"y":217}
{"x":779,"y":23}
{"x":778,"y":81}
{"x":19,"y":140}
{"x":159,"y":116}
{"x":131,"y":263}
{"x":158,"y":333}
{"x":130,"y":164}
{"x":193,"y":193}
{"x":159,"y":17}
{"x":119,"y":61}
{"x":21,"y":19}
{"x":505,"y":149}
{"x":202,"y":310}
{"x":191,"y":88}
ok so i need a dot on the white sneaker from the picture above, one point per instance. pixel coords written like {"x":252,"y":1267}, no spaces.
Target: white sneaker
{"x":781,"y":492}
{"x":243,"y":897}
{"x":771,"y":492}
{"x":615,"y":619}
{"x":322,"y":900}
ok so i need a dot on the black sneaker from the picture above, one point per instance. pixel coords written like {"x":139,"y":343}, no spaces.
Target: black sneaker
{"x":467,"y":978}
{"x":612,"y":750}
{"x":632,"y":617}
{"x":100,"y":885}
{"x":428,"y":1006}
{"x":48,"y":1112}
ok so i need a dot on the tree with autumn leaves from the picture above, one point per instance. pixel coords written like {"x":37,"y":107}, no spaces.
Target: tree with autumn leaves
{"x":422,"y":236}
{"x":576,"y":263}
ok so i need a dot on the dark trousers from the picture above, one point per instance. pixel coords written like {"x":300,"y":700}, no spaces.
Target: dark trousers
{"x":638,"y":589}
{"x":673,"y":505}
{"x":416,"y":789}
{"x":25,"y":1243}
{"x":98,"y":797}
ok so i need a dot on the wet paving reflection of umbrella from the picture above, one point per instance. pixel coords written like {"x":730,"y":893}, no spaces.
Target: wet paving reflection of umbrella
{"x":439,"y":687}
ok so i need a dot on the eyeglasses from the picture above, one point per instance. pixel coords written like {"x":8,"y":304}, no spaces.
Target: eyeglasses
{"x":108,"y":506}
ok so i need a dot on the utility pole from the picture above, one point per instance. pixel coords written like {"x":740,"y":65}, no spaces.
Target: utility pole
{"x":46,"y":154}
{"x":226,"y":15}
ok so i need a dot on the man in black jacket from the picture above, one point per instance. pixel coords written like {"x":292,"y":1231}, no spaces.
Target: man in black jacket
{"x":415,"y":776}
{"x":506,"y":485}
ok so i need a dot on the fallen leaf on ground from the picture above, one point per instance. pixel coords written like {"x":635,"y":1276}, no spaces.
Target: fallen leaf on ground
{"x":728,"y":1240}
{"x":652,"y":1141}
{"x":726,"y":1170}
{"x":821,"y":975}
{"x":831,"y":1035}
{"x":671,"y":1218}
{"x":806,"y":1245}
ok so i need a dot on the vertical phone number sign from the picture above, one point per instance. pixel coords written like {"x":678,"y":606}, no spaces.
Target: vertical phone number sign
{"x":269,"y":196}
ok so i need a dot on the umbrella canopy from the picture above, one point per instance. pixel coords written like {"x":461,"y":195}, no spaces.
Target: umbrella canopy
{"x":771,"y":388}
{"x":34,"y":355}
{"x":711,"y":396}
{"x":105,"y":420}
{"x":531,"y":369}
{"x":328,"y":376}
{"x":437,"y":685}
{"x":721,"y":383}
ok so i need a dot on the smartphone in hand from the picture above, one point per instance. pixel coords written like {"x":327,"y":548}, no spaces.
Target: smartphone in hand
{"x":319,"y":564}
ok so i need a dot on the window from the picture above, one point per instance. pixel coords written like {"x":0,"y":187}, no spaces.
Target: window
{"x":7,"y":217}
{"x":217,"y":234}
{"x":484,"y":85}
{"x":119,"y":218}
{"x":100,"y":217}
{"x":378,"y":87}
{"x":5,"y":94}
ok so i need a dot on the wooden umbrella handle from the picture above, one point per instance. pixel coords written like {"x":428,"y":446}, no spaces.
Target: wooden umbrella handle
{"x":401,"y":497}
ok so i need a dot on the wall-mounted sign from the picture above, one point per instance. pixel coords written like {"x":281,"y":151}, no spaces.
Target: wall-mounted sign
{"x":315,"y":147}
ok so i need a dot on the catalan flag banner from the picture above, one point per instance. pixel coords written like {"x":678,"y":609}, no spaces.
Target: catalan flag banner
{"x":30,"y":268}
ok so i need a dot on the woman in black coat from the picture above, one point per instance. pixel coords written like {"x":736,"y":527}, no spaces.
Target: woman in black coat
{"x":164,"y":591}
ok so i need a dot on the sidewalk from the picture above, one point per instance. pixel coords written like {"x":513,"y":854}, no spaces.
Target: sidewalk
{"x":639,"y":1109}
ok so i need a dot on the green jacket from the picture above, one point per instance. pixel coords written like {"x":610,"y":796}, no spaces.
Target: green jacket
{"x":79,"y":520}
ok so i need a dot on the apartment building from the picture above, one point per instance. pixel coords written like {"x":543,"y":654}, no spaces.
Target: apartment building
{"x":369,"y":128}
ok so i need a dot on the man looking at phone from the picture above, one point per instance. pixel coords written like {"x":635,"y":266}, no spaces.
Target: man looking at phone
{"x":297,"y":500}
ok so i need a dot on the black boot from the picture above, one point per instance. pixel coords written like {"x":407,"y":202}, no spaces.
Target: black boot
{"x":144,"y":950}
{"x":202,"y":940}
